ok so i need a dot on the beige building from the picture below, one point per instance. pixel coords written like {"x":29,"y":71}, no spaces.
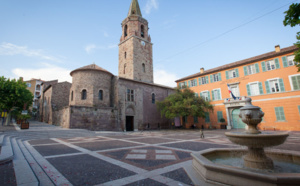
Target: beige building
{"x":34,"y":86}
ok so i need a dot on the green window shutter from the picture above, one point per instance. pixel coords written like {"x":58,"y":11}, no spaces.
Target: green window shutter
{"x":220,"y":78}
{"x":277,"y":113}
{"x":195,"y":119}
{"x":226,"y":73}
{"x":207,"y":119}
{"x":196,"y":94}
{"x":284,"y":61}
{"x":295,"y":82}
{"x":179,"y":84}
{"x":189,"y":82}
{"x":219,"y":94}
{"x":208,"y":95}
{"x":185,"y":83}
{"x":201,"y":95}
{"x":261,"y":90}
{"x":211,"y":79}
{"x":199,"y":80}
{"x":206,"y":78}
{"x":212,"y":95}
{"x":248,"y":90}
{"x":220,"y":115}
{"x":277,"y":63}
{"x":281,"y":84}
{"x":267,"y":87}
{"x":282,"y":114}
{"x":263,"y":66}
{"x":256,"y":67}
{"x":237,"y":72}
{"x":245,"y":71}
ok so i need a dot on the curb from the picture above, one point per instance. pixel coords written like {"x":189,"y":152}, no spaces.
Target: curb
{"x":6,"y":151}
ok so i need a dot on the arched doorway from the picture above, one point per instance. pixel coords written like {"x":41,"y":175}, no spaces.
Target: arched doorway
{"x":237,"y":122}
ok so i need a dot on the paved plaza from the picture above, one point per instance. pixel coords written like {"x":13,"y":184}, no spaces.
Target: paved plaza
{"x":59,"y":156}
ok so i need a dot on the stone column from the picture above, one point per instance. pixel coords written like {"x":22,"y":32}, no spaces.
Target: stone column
{"x":228,"y":119}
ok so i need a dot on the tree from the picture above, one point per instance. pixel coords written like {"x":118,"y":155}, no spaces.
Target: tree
{"x":292,"y":18}
{"x":14,"y":95}
{"x":184,"y":103}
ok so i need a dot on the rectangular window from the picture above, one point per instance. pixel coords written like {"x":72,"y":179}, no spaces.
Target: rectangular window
{"x":28,"y":85}
{"x":279,"y":114}
{"x":195,"y":119}
{"x":193,"y":83}
{"x":203,"y":80}
{"x":232,"y":74}
{"x":215,"y":77}
{"x":274,"y":85}
{"x":207,"y":119}
{"x":130,"y":95}
{"x":220,"y":116}
{"x":205,"y":95}
{"x":295,"y":82}
{"x":290,"y":60}
{"x":235,"y":90}
{"x":182,"y":85}
{"x":251,"y":69}
{"x":270,"y":65}
{"x":254,"y":89}
{"x":216,"y":94}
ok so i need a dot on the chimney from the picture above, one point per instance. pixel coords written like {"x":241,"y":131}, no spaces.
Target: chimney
{"x":201,"y":70}
{"x":277,"y":48}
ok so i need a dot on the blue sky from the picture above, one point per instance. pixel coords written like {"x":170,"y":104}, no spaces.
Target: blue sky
{"x":48,"y":39}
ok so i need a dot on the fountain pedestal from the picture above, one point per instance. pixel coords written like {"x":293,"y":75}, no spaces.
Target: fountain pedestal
{"x":257,"y":159}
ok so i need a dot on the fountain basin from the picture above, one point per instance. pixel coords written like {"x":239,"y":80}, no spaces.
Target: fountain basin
{"x":233,"y":175}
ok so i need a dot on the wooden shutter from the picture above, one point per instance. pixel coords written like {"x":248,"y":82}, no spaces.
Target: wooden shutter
{"x":281,"y":84}
{"x":237,"y":72}
{"x":277,"y":63}
{"x":208,"y":95}
{"x":267,"y":87}
{"x":248,"y":90}
{"x":220,"y":78}
{"x":189,"y":82}
{"x":277,"y":113}
{"x":261,"y":90}
{"x":256,"y":67}
{"x":294,"y":82}
{"x":206,"y":78}
{"x":227,"y":75}
{"x":263,"y":66}
{"x":213,"y":95}
{"x":219,"y":94}
{"x":201,"y":95}
{"x":284,"y":61}
{"x":200,"y":82}
{"x":211,"y":79}
{"x":245,"y":71}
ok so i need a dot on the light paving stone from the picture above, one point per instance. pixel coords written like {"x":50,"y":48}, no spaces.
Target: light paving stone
{"x":163,"y":151}
{"x":139,"y":151}
{"x":136,"y":156}
{"x":165,"y":157}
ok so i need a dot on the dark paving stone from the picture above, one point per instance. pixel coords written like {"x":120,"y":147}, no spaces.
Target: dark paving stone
{"x":104,"y":145}
{"x":152,"y":140}
{"x":118,"y":154}
{"x":50,"y":150}
{"x":151,"y":164}
{"x":88,"y":170}
{"x":7,"y":174}
{"x":184,"y":137}
{"x":146,"y":182}
{"x":179,"y":175}
{"x":41,"y":141}
{"x":293,"y":147}
{"x":183,"y":155}
{"x":123,"y":136}
{"x":195,"y":146}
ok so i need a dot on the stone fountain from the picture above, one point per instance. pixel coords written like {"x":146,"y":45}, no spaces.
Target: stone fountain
{"x":251,"y":166}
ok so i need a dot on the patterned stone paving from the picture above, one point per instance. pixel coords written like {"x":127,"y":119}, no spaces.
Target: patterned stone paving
{"x":80,"y":157}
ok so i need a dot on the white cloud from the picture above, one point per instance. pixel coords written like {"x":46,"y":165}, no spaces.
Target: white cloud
{"x":92,"y":47}
{"x":47,"y":73}
{"x":9,"y":49}
{"x":151,"y":4}
{"x":163,"y":77}
{"x":105,"y":34}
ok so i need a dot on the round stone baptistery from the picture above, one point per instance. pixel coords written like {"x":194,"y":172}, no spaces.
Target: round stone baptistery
{"x":94,"y":82}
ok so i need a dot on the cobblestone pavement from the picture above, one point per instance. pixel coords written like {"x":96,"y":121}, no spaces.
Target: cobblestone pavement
{"x":81,"y":157}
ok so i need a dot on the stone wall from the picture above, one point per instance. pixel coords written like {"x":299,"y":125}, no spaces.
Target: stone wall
{"x":92,"y":118}
{"x":92,"y":81}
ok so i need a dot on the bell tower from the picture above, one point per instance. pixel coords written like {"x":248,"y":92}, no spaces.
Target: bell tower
{"x":135,"y":48}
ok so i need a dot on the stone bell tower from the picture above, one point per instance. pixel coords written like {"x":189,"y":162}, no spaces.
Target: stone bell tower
{"x":135,"y":48}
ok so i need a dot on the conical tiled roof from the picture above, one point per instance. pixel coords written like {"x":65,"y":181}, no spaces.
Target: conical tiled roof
{"x":90,"y":67}
{"x":134,"y":8}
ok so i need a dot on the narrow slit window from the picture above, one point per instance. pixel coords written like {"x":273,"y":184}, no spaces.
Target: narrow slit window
{"x":83,"y":94}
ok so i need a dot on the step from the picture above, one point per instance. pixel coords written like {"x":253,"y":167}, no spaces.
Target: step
{"x":24,"y":173}
{"x":6,"y":151}
{"x":40,"y":174}
{"x":1,"y":140}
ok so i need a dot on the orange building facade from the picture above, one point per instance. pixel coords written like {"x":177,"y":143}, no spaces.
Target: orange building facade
{"x":270,"y":79}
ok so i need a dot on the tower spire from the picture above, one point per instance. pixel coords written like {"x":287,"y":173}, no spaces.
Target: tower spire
{"x":134,"y":8}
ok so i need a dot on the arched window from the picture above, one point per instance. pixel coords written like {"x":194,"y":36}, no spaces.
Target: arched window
{"x":142,"y":31}
{"x":125,"y":30}
{"x":124,"y":68}
{"x":153,"y":98}
{"x":144,"y":68}
{"x":100,"y":96}
{"x":72,"y":96}
{"x":125,"y":55}
{"x":83,"y":94}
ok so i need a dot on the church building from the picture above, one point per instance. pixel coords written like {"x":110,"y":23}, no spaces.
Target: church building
{"x":99,"y":100}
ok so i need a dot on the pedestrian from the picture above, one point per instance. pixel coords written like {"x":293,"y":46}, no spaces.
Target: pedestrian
{"x":201,"y":134}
